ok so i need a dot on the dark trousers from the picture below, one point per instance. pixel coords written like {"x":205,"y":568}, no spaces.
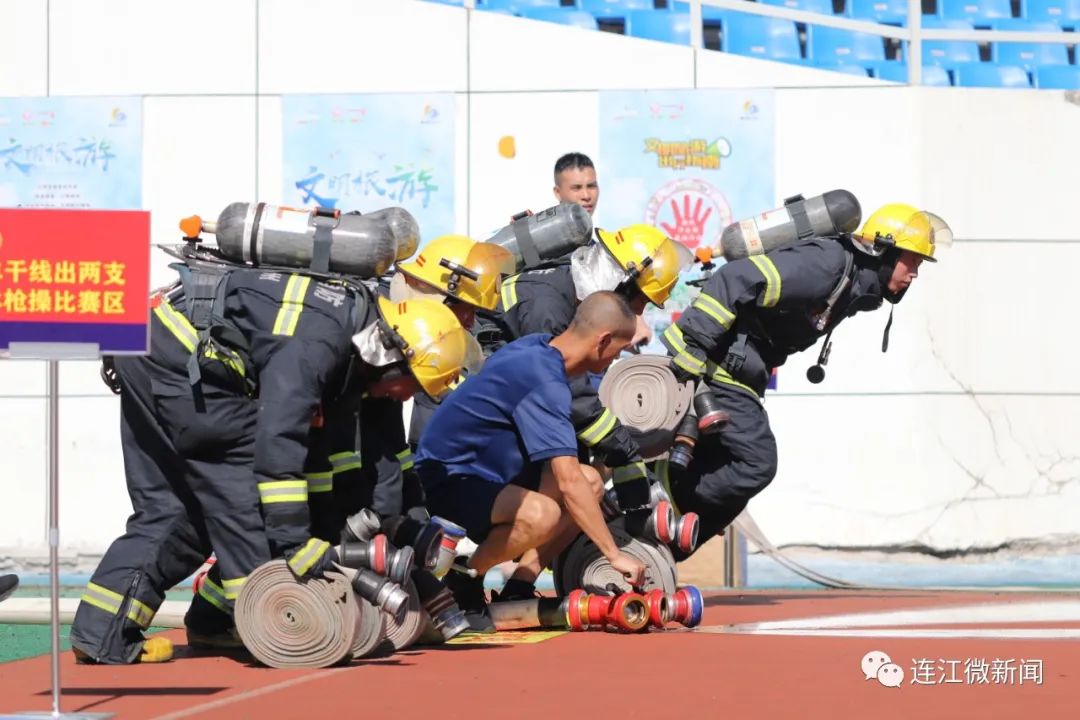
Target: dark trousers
{"x":190,"y":481}
{"x":728,"y":468}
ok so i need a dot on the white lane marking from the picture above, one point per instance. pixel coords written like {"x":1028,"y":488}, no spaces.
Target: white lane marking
{"x":933,"y":633}
{"x":1053,"y":611}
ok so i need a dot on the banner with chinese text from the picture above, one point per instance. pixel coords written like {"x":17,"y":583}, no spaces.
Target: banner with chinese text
{"x":689,"y":162}
{"x":71,"y":152}
{"x":367,"y":152}
{"x":75,"y":276}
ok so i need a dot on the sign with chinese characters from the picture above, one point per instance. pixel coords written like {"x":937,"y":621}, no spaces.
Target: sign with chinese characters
{"x":689,"y":162}
{"x":71,"y":153}
{"x":367,"y":152}
{"x":75,"y":276}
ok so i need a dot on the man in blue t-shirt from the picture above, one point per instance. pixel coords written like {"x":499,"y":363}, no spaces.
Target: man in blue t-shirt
{"x":500,"y":458}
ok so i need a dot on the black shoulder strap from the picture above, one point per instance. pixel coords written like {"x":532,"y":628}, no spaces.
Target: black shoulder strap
{"x":529,"y":253}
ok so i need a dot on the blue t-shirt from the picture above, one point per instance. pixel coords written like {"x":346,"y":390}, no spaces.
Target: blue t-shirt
{"x":515,"y":411}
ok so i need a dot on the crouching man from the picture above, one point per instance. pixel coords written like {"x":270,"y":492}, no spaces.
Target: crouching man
{"x":500,"y":458}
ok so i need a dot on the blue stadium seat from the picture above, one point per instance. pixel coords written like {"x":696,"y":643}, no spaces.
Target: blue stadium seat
{"x":977,"y":12}
{"x":762,"y":37}
{"x":516,"y":6}
{"x":1028,"y":55}
{"x":710,"y":14}
{"x":858,"y":70}
{"x":932,"y":75}
{"x":890,"y":12}
{"x":818,"y":6}
{"x":615,"y":8}
{"x":662,"y":25}
{"x":563,"y":16}
{"x":948,"y":52}
{"x":1065,"y":13}
{"x":832,"y":46}
{"x":981,"y":74}
{"x":1058,"y":77}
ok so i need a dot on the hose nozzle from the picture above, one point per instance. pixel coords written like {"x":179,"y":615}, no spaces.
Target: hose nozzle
{"x":437,"y":600}
{"x":379,"y":556}
{"x":361,"y":526}
{"x":380,"y":591}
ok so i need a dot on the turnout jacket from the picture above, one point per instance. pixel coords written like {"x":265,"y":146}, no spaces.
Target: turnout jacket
{"x":286,"y":340}
{"x":753,"y":313}
{"x":543,"y":300}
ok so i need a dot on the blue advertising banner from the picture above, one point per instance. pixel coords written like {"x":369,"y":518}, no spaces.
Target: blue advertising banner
{"x":689,"y":162}
{"x":75,"y":153}
{"x":367,"y":152}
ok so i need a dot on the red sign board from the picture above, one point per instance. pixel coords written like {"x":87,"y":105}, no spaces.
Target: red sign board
{"x":75,"y":276}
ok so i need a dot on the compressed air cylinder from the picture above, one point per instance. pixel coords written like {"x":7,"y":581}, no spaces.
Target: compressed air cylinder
{"x":832,"y":213}
{"x":363,"y":245}
{"x":545,"y":235}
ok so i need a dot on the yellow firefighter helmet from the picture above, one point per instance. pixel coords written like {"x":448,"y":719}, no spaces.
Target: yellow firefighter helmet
{"x":435,"y":345}
{"x":652,"y":258}
{"x":462,"y":268}
{"x":906,"y":228}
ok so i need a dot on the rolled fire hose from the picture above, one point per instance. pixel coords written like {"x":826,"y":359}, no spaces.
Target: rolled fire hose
{"x":372,"y":631}
{"x":642,"y":392}
{"x":286,"y":622}
{"x":583,"y":566}
{"x":406,"y":631}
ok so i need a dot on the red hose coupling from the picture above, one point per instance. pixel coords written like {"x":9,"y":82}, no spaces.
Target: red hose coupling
{"x":659,"y":608}
{"x":687,"y":606}
{"x":686,"y":532}
{"x":663,"y":521}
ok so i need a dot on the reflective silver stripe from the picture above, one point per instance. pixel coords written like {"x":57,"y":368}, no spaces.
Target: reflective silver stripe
{"x":599,"y":429}
{"x":772,"y":279}
{"x":140,"y":614}
{"x":292,"y":304}
{"x":629,"y":473}
{"x":103,"y":598}
{"x":320,"y":482}
{"x":232,"y":587}
{"x":308,"y":555}
{"x":279,"y":491}
{"x":343,"y":461}
{"x":212,"y":593}
{"x":712,"y":307}
{"x":178,"y":325}
{"x":405,"y":457}
{"x":509,"y":293}
{"x":682,"y":357}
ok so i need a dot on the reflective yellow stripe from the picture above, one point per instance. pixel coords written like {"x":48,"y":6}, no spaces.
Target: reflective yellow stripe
{"x":405,"y":457}
{"x":308,"y":555}
{"x":772,"y":279}
{"x":599,"y":429}
{"x":509,"y":292}
{"x":232,"y":587}
{"x":214,"y":595}
{"x":320,"y":482}
{"x":712,"y":307}
{"x":227,"y":357}
{"x":292,"y":304}
{"x":140,"y":614}
{"x":279,"y":491}
{"x":344,"y":461}
{"x":682,"y":357}
{"x":103,"y":598}
{"x":721,"y":375}
{"x":178,"y":325}
{"x":629,"y":473}
{"x":664,"y":478}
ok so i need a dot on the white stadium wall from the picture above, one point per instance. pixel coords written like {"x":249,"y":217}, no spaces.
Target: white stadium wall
{"x":961,"y":436}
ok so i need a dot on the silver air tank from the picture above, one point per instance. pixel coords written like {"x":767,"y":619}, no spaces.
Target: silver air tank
{"x":546,"y":235}
{"x":363,"y":245}
{"x":832,"y":213}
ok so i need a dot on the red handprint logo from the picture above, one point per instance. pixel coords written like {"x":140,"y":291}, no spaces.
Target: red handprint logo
{"x":689,"y":226}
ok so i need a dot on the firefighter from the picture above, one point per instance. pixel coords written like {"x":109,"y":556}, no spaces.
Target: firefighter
{"x":216,"y":427}
{"x":464,"y":275}
{"x":751,"y":315}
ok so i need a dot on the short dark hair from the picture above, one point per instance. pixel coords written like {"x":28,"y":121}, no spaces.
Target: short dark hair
{"x":572,"y":161}
{"x":604,"y":310}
